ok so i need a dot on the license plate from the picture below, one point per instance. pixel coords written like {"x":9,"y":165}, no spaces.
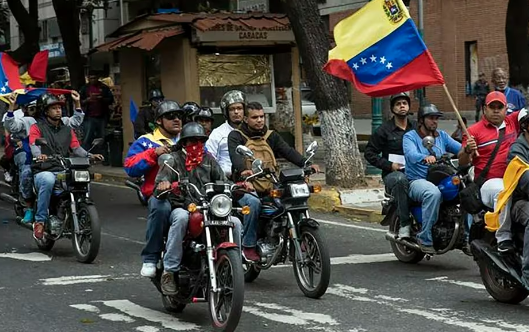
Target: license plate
{"x":220,"y":223}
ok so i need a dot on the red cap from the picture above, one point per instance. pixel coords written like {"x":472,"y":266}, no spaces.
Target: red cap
{"x":496,"y":96}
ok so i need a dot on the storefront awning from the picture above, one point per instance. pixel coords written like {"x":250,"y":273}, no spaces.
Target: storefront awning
{"x":146,"y":40}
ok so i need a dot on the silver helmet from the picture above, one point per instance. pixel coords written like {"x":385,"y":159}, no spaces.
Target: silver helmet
{"x":232,"y":97}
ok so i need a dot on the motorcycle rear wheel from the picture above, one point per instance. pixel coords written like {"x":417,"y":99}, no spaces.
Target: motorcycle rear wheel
{"x":499,"y":288}
{"x":171,"y":305}
{"x":403,"y":253}
{"x":90,"y":228}
{"x":45,"y":244}
{"x":316,"y":259}
{"x":230,"y":294}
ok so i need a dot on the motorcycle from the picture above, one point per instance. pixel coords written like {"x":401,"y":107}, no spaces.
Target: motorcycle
{"x":211,"y":269}
{"x":72,"y":213}
{"x":501,"y":273}
{"x":286,"y":229}
{"x":448,"y":232}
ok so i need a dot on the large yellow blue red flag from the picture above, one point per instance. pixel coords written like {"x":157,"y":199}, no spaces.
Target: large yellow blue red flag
{"x":380,"y":51}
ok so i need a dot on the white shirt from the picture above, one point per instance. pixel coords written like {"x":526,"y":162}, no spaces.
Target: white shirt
{"x":217,"y":145}
{"x":19,"y":114}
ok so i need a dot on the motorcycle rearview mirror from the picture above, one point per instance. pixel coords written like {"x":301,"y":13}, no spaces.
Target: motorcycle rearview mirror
{"x":41,"y":142}
{"x":428,"y":142}
{"x":245,"y":151}
{"x":257,"y":166}
{"x":163,"y":158}
{"x":96,"y":142}
{"x":312,"y":148}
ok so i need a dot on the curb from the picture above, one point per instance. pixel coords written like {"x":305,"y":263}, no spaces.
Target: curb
{"x":368,"y":215}
{"x":325,"y":201}
{"x":105,"y":177}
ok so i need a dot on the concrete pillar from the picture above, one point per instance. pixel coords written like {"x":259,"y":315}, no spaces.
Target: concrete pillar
{"x":132,"y":86}
{"x":179,"y":75}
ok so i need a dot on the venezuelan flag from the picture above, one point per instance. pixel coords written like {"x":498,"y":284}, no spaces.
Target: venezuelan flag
{"x":380,"y":50}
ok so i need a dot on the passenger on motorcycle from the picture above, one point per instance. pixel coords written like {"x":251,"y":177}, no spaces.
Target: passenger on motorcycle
{"x":483,"y":138}
{"x":142,"y":160}
{"x":386,"y":141}
{"x":266,"y":145}
{"x":146,"y":120}
{"x":232,"y":105}
{"x":418,"y":159}
{"x":190,"y":109}
{"x":19,"y":129}
{"x":199,"y":168}
{"x":204,"y":117}
{"x":60,"y":140}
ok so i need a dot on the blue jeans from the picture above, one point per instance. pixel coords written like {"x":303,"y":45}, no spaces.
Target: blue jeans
{"x":93,"y":128}
{"x":430,"y":198}
{"x":44,"y":181}
{"x":25,"y":175}
{"x":397,"y":185}
{"x":251,"y":220}
{"x":179,"y":220}
{"x":157,"y":225}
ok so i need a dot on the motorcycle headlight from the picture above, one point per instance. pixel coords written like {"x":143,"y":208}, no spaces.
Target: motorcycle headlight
{"x":81,"y":176}
{"x":221,"y":206}
{"x":299,"y":190}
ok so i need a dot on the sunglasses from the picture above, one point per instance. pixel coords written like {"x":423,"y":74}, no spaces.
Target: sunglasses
{"x":173,"y":116}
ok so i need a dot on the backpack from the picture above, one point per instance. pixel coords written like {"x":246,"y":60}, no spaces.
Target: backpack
{"x":262,"y":151}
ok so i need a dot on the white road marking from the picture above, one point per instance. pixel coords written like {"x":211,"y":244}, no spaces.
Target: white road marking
{"x":167,"y":321}
{"x":123,"y":238}
{"x":32,"y":257}
{"x":147,"y":328}
{"x":111,"y":185}
{"x":469,"y":284}
{"x":357,"y":259}
{"x":71,"y":280}
{"x":286,"y":315}
{"x":86,"y":307}
{"x":117,"y":318}
{"x":351,"y":225}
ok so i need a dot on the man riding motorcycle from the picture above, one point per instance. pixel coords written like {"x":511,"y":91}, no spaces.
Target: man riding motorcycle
{"x":204,"y":117}
{"x":232,"y":105}
{"x":142,"y":160}
{"x":192,"y":163}
{"x":146,"y":119}
{"x":60,"y":140}
{"x":418,"y":159}
{"x":266,"y":144}
{"x":484,"y":136}
{"x":19,"y":129}
{"x":387,"y":140}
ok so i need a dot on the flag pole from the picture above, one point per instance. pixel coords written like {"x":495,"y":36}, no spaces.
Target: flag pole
{"x":459,"y":118}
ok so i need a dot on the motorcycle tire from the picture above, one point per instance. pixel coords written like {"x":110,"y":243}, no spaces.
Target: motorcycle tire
{"x":231,"y":259}
{"x":45,"y":244}
{"x":171,"y":305}
{"x":87,"y":211}
{"x":510,"y":294}
{"x":251,"y":272}
{"x":314,"y":292}
{"x":403,"y":253}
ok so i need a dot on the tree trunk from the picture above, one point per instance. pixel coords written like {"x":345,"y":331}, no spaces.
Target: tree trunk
{"x":29,"y":26}
{"x":67,"y":13}
{"x":517,"y":36}
{"x":344,"y":165}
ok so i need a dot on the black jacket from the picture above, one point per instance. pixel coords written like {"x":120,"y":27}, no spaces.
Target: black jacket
{"x":276,"y":142}
{"x":144,"y":118}
{"x":386,"y":140}
{"x":207,"y":171}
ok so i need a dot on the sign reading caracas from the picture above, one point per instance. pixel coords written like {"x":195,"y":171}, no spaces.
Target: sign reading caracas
{"x":233,"y":32}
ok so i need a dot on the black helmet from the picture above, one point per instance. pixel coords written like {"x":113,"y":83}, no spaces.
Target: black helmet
{"x":204,"y":113}
{"x":428,"y":110}
{"x":167,"y":106}
{"x":190,"y":108}
{"x":232,"y":97}
{"x":46,"y":100}
{"x":192,"y":130}
{"x":393,"y":99}
{"x":155,"y":94}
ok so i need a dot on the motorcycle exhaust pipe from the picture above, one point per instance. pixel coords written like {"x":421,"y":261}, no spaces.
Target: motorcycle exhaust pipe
{"x":390,"y":236}
{"x":132,"y":185}
{"x":8,"y":198}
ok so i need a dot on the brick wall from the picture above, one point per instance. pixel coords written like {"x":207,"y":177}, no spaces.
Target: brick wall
{"x":448,"y":24}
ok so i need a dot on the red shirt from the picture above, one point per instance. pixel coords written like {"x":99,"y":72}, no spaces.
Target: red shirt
{"x":34,"y":133}
{"x":486,"y":136}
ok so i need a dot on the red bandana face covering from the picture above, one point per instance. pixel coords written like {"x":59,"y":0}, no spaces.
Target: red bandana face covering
{"x":195,"y":154}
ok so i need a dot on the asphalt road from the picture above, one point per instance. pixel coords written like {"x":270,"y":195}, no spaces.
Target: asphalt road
{"x":370,"y":290}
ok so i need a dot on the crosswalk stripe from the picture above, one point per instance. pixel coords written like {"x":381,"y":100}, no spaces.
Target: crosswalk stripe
{"x":468,"y":284}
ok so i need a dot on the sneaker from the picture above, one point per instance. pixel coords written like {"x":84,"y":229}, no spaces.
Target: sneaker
{"x":148,"y":270}
{"x":38,"y":230}
{"x":427,"y":249}
{"x":168,"y":283}
{"x":404,"y":232}
{"x":28,"y":216}
{"x":250,"y":254}
{"x":506,"y":246}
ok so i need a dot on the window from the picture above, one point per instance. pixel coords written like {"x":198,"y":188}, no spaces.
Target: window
{"x":471,"y":65}
{"x":251,"y":74}
{"x":43,"y":26}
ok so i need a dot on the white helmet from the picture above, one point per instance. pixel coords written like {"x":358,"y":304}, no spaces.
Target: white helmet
{"x":523,"y":116}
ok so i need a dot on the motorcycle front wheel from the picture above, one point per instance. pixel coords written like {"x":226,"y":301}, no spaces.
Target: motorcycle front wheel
{"x":225,"y":305}
{"x":501,"y":289}
{"x":86,"y":243}
{"x":315,"y":259}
